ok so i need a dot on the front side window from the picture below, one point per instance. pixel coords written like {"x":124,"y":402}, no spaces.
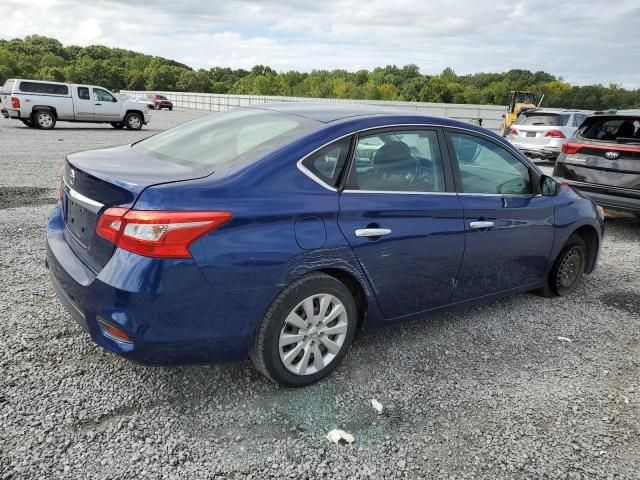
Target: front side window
{"x":488,"y":168}
{"x":398,"y":161}
{"x":102,"y":95}
{"x":83,"y":93}
{"x":227,"y":137}
{"x":327,"y":164}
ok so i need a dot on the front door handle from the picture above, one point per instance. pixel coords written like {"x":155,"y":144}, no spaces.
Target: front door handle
{"x":476,"y":225}
{"x":97,"y":104}
{"x":372,"y":232}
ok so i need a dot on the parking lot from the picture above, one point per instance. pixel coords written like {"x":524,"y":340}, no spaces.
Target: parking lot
{"x":525,"y":387}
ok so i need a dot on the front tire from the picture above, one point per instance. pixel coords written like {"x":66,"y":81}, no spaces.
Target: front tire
{"x":28,"y":122}
{"x":133,"y":121}
{"x":117,"y":125}
{"x":306,"y":331}
{"x":44,"y":119}
{"x":567,"y":270}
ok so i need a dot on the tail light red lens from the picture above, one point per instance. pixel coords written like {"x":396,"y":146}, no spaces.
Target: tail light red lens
{"x":157,"y":234}
{"x":555,"y":134}
{"x":15,"y":102}
{"x":571,"y":148}
{"x":514,"y":132}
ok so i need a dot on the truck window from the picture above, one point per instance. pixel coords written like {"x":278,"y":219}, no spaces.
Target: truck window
{"x":102,"y":95}
{"x":8,"y":86}
{"x":83,"y":93}
{"x":44,"y":88}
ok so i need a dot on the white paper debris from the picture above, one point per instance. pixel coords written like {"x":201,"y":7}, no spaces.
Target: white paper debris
{"x":334,"y":436}
{"x":377,"y":406}
{"x":565,"y":339}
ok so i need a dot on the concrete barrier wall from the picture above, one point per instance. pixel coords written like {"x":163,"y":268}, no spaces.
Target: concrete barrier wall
{"x":489,"y":116}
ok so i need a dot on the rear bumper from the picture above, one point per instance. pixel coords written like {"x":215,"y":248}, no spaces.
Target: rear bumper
{"x":550,"y":151}
{"x":610,"y":197}
{"x":166,"y":307}
{"x":9,"y":113}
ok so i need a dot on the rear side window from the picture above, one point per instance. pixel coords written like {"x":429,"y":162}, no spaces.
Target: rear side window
{"x":612,"y":129}
{"x":7,"y":87}
{"x":398,"y":161}
{"x":83,"y":93}
{"x":227,"y":137}
{"x":327,"y":164}
{"x":544,"y":119}
{"x":578,"y":118}
{"x":44,"y":88}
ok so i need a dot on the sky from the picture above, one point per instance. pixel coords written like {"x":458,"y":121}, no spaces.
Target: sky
{"x":582,"y":41}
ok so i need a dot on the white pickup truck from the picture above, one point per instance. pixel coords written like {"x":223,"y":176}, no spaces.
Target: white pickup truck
{"x":41,"y":104}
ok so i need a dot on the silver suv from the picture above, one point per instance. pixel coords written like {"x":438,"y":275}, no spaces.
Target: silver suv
{"x":541,"y":132}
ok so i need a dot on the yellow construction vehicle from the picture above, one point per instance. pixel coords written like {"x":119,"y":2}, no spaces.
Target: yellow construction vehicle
{"x":519,"y":101}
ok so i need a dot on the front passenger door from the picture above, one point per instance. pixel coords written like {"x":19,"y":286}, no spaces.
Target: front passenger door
{"x":106,"y":107}
{"x":509,"y":225}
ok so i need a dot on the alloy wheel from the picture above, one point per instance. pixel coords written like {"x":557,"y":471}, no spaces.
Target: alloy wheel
{"x":313,"y":334}
{"x":45,"y":120}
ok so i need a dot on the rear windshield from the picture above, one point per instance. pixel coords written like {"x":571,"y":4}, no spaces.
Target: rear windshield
{"x":46,"y":88}
{"x":612,"y":129}
{"x":226,"y":137}
{"x":160,"y":97}
{"x":543,"y":119}
{"x":8,"y":85}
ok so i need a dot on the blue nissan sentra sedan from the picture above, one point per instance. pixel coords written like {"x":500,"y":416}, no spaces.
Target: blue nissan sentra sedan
{"x":276,"y":232}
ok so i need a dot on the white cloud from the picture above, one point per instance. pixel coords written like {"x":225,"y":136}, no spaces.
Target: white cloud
{"x":585,"y":43}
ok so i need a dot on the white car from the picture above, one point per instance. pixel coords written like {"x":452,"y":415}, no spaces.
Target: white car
{"x":41,"y":104}
{"x":541,"y":132}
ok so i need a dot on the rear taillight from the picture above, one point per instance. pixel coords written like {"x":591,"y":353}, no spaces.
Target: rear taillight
{"x":514,"y":132}
{"x":15,"y":102}
{"x":571,"y":148}
{"x":156,"y":233}
{"x":555,"y":134}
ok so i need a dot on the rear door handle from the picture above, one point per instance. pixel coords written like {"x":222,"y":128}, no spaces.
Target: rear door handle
{"x":97,"y":104}
{"x":476,"y":225}
{"x":372,"y":232}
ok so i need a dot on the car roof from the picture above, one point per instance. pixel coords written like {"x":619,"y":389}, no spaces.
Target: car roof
{"x":331,"y":112}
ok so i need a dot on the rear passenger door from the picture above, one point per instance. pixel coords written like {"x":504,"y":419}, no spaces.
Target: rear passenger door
{"x":83,"y":104}
{"x":403,"y":219}
{"x":508,"y":223}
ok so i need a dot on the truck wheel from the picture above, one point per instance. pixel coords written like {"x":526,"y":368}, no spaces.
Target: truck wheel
{"x":29,"y":123}
{"x":133,"y":121}
{"x":117,"y":125}
{"x":44,"y":119}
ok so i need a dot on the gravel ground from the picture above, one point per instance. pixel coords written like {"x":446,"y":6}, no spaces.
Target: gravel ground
{"x":485,"y":392}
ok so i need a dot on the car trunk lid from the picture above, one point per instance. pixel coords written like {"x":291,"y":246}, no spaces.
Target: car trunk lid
{"x":112,"y":177}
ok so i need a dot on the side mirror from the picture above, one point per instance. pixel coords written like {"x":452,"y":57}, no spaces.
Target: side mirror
{"x":550,"y":186}
{"x":114,"y":99}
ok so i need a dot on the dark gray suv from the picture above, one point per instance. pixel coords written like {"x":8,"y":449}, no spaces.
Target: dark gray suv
{"x":602,"y":159}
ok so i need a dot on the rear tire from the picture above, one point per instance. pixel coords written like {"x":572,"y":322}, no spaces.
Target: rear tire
{"x":133,"y":121}
{"x":29,"y":123}
{"x":568,"y":269}
{"x":306,"y":331}
{"x":44,"y":119}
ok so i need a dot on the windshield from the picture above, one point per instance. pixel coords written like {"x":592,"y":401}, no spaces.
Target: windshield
{"x":160,"y":97}
{"x":226,"y":137}
{"x":543,"y":119}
